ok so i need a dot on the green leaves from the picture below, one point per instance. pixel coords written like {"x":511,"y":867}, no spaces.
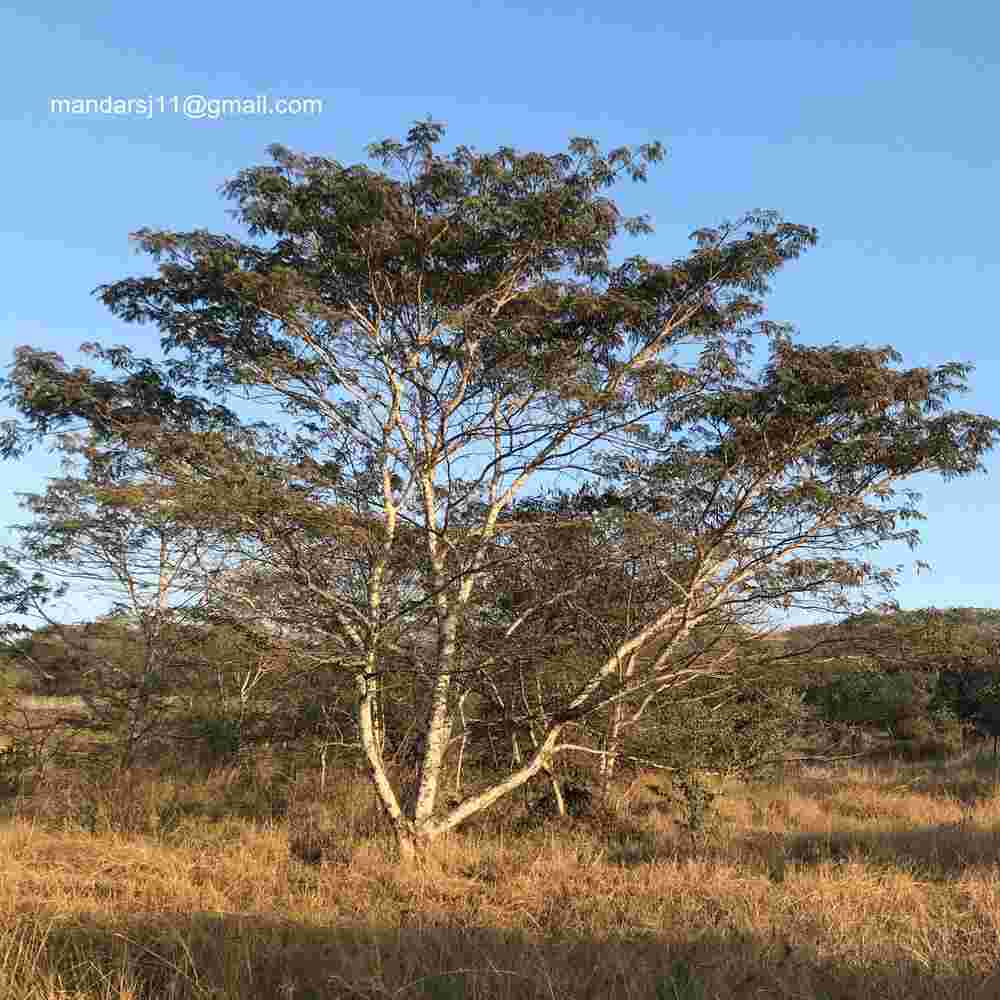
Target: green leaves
{"x":20,"y":594}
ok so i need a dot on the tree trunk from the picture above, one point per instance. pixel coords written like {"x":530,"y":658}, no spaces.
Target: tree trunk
{"x":406,"y":846}
{"x":612,"y":748}
{"x":437,"y":737}
{"x":518,"y":762}
{"x":557,"y":794}
{"x":462,"y":744}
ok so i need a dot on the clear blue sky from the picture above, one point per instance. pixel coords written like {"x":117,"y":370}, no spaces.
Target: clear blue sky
{"x":875,"y":122}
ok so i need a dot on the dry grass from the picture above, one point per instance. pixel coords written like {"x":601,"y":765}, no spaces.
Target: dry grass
{"x":51,"y":703}
{"x":861,"y":883}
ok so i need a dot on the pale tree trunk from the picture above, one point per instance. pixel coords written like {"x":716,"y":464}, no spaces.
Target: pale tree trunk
{"x":372,"y":678}
{"x":462,"y":744}
{"x":557,"y":793}
{"x":385,"y":795}
{"x":554,"y":784}
{"x":612,"y":744}
{"x":413,"y":838}
{"x":416,"y":826}
{"x":515,"y":748}
{"x":437,"y":737}
{"x":374,"y":692}
{"x":163,"y":584}
{"x":539,"y":761}
{"x":612,"y":747}
{"x":437,"y":734}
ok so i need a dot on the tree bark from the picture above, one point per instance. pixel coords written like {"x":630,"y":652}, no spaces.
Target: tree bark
{"x":557,"y":794}
{"x":407,"y":847}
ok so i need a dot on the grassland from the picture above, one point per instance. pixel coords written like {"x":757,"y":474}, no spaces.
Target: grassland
{"x":851,"y":882}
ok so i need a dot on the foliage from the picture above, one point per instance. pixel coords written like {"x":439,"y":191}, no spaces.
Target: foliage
{"x":912,"y":675}
{"x":870,"y":698}
{"x":974,"y":697}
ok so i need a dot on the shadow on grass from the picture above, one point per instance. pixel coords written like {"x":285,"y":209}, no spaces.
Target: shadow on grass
{"x":969,"y":789}
{"x":238,"y":957}
{"x":944,"y":850}
{"x":618,"y":839}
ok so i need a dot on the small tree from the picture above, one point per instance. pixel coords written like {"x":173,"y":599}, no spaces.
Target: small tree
{"x":902,"y":671}
{"x":439,"y":332}
{"x":973,"y":696}
{"x":871,"y":699}
{"x":90,"y":536}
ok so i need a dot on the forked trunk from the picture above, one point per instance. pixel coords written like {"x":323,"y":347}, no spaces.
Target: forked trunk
{"x":415,"y":835}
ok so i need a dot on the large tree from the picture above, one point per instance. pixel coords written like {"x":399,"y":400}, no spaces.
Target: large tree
{"x":436,"y":335}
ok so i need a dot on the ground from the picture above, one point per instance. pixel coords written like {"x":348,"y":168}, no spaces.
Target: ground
{"x":838,"y":882}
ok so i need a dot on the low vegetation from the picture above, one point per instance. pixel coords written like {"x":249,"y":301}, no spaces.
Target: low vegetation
{"x":835,"y":882}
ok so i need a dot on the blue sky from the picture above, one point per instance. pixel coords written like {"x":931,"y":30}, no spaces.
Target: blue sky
{"x":875,"y":122}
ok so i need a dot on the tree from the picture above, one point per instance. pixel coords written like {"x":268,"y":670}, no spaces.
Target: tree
{"x":905,"y":672}
{"x":966,"y":643}
{"x":106,"y":529}
{"x":872,"y":699}
{"x":435,"y":335}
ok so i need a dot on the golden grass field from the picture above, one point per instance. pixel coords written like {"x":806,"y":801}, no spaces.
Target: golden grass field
{"x":842,"y":882}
